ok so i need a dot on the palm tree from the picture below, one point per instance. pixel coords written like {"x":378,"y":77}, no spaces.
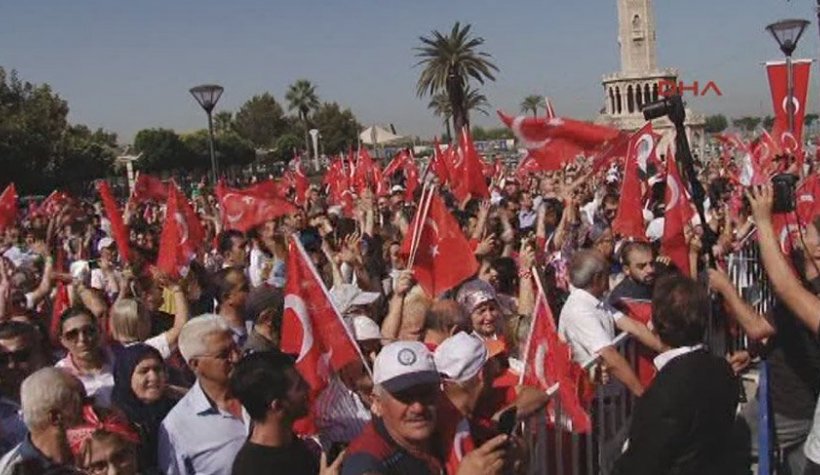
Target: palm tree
{"x":440,"y":104}
{"x":473,"y":100}
{"x":532,"y":103}
{"x":450,"y":61}
{"x":223,"y":121}
{"x":302,"y":98}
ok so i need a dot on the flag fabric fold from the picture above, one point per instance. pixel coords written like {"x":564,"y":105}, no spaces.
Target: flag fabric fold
{"x":181,"y":234}
{"x":119,"y":230}
{"x":244,"y":209}
{"x":629,"y":220}
{"x":8,"y":207}
{"x":677,"y":215}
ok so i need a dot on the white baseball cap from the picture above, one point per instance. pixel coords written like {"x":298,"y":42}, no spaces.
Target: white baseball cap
{"x":404,"y":364}
{"x":104,"y":243}
{"x":347,"y":296}
{"x":364,"y":328}
{"x":460,"y":357}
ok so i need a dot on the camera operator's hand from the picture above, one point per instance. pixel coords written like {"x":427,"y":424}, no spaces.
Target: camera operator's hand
{"x":489,"y":459}
{"x":761,"y":199}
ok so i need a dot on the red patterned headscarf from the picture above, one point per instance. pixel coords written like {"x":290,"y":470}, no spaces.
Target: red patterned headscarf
{"x":113,"y":423}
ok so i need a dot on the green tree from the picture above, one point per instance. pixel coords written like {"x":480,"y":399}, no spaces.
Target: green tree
{"x":32,"y":125}
{"x":716,"y":124}
{"x":338,"y":127}
{"x":768,"y":122}
{"x":532,"y":103}
{"x":498,"y":133}
{"x":286,"y":146}
{"x":747,"y":123}
{"x":302,"y":98}
{"x":84,"y":156}
{"x":231,"y":150}
{"x":449,"y":63}
{"x":260,"y":120}
{"x":809,"y":119}
{"x":440,"y":105}
{"x":162,"y":149}
{"x":475,"y":101}
{"x":223,"y":122}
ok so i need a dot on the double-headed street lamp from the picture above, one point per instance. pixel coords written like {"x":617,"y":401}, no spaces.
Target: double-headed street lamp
{"x":207,"y":96}
{"x":787,"y":33}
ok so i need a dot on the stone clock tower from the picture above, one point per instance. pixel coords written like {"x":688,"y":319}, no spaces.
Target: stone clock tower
{"x":637,"y":83}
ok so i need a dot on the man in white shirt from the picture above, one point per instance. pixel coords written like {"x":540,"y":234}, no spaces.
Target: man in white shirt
{"x":588,"y":324}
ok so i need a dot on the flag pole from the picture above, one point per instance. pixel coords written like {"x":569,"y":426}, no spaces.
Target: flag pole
{"x":421,"y":215}
{"x":326,"y":293}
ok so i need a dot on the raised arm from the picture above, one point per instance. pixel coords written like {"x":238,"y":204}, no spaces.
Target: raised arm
{"x":804,"y":304}
{"x":755,"y":325}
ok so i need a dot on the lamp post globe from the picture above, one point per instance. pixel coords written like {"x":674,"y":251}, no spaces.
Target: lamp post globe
{"x":207,"y":95}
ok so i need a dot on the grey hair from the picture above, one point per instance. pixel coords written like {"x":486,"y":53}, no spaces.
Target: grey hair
{"x":584,"y":266}
{"x":192,"y":337}
{"x":46,"y":390}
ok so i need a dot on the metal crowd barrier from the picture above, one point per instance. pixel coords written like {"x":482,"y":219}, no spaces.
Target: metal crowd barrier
{"x":554,"y":449}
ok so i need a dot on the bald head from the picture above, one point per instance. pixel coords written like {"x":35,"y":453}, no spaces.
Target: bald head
{"x":443,"y":317}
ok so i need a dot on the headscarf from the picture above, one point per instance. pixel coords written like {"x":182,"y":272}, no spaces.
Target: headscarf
{"x":78,"y":436}
{"x":146,"y":417}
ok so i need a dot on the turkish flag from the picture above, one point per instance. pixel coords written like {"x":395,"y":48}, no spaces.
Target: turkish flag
{"x":641,"y":310}
{"x":778,"y":83}
{"x":245,"y":209}
{"x":379,"y":183}
{"x":548,"y":361}
{"x":397,"y":163}
{"x":615,"y":150}
{"x":364,"y":171}
{"x":807,"y":199}
{"x":556,"y":153}
{"x":629,"y":218}
{"x":443,"y":256}
{"x":535,"y":132}
{"x":181,"y":234}
{"x":438,"y":165}
{"x":764,"y":149}
{"x":527,"y":166}
{"x":147,"y":187}
{"x":300,"y":181}
{"x":312,"y":328}
{"x":411,"y":174}
{"x":62,"y":302}
{"x":54,"y":203}
{"x":8,"y":207}
{"x":470,"y":170}
{"x":118,"y":228}
{"x":677,"y":214}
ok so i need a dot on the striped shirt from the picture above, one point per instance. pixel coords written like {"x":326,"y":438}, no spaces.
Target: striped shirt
{"x":340,"y":413}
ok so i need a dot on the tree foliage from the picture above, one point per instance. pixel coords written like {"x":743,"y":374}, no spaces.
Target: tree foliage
{"x":716,"y":124}
{"x":497,"y":133}
{"x":39,"y":149}
{"x":338,"y":127}
{"x":747,"y":123}
{"x":532,"y":103}
{"x":260,"y":120}
{"x":450,"y":62}
{"x":162,"y":149}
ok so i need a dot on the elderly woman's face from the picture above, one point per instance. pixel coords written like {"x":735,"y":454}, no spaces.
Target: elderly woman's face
{"x":485,"y":318}
{"x":149,"y":379}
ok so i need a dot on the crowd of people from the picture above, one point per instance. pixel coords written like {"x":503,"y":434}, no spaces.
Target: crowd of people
{"x":112,"y":365}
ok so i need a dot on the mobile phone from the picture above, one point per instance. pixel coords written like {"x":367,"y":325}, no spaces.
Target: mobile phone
{"x":507,"y":421}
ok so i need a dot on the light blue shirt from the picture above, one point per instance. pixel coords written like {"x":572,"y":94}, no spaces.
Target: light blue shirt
{"x":197,"y":438}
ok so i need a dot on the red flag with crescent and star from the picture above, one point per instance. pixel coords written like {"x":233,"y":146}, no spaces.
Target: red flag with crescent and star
{"x":244,"y":209}
{"x":438,"y":165}
{"x":548,"y":361}
{"x":535,"y":132}
{"x":629,"y":220}
{"x":312,"y":328}
{"x":677,"y":215}
{"x":443,"y":257}
{"x":119,"y":230}
{"x":8,"y":207}
{"x":147,"y":187}
{"x":778,"y":83}
{"x":181,"y":234}
{"x":469,"y":170}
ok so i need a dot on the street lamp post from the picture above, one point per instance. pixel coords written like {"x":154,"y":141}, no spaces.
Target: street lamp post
{"x":314,"y":135}
{"x":207,"y":96}
{"x":787,"y":33}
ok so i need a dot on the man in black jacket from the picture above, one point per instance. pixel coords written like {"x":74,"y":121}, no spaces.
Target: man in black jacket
{"x":683,"y":422}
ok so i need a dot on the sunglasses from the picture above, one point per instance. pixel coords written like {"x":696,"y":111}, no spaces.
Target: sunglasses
{"x":17,"y":357}
{"x":89,"y":331}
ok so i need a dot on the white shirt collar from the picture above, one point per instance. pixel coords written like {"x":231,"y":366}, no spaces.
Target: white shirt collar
{"x":662,"y":359}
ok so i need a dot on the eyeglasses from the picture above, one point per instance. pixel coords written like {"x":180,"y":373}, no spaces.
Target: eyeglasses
{"x":17,"y":357}
{"x":225,"y":354}
{"x":89,"y":331}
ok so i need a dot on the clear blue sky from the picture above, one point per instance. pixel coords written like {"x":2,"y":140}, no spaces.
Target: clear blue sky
{"x":127,"y":65}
